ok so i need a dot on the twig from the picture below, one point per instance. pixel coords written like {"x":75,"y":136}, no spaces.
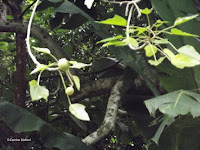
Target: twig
{"x":110,"y":117}
{"x":27,"y":8}
{"x":101,"y":70}
{"x":133,"y":4}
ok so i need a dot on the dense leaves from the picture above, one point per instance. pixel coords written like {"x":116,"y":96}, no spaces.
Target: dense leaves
{"x":153,"y":55}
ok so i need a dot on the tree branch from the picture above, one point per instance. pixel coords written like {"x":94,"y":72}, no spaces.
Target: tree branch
{"x":101,"y":70}
{"x":38,"y":33}
{"x":94,"y":88}
{"x":110,"y":117}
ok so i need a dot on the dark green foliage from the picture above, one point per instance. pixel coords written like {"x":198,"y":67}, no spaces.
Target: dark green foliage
{"x":21,"y":120}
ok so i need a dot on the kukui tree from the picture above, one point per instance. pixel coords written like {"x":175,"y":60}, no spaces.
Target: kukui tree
{"x":80,"y":75}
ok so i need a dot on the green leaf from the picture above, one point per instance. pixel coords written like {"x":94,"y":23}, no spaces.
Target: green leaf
{"x":156,"y":63}
{"x":116,"y":20}
{"x":116,"y":43}
{"x":67,"y":7}
{"x":181,"y":20}
{"x":160,"y":23}
{"x":55,"y":1}
{"x":189,"y":51}
{"x":150,"y":50}
{"x":181,"y":61}
{"x":174,"y":104}
{"x":37,"y":92}
{"x":40,"y":67}
{"x":88,"y":3}
{"x":133,"y":42}
{"x":146,"y":11}
{"x":176,"y":31}
{"x":78,"y":110}
{"x":141,"y":30}
{"x":162,"y":41}
{"x":78,"y":65}
{"x":21,"y":120}
{"x":77,"y":82}
{"x":42,"y":50}
{"x":169,"y":53}
{"x":156,"y":137}
{"x":110,"y":39}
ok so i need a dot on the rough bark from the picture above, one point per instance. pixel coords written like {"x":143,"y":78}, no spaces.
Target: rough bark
{"x":110,"y":117}
{"x":21,"y":83}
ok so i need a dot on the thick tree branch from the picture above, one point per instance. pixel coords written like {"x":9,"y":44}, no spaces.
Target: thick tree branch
{"x":94,"y":88}
{"x":110,"y":116}
{"x":38,"y":33}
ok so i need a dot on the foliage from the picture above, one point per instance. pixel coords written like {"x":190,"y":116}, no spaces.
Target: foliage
{"x":154,"y":51}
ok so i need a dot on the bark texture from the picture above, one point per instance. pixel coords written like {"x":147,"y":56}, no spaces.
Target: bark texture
{"x":110,"y":117}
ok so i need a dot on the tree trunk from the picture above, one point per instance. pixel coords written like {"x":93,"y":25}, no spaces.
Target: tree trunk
{"x":20,"y":56}
{"x":21,"y":83}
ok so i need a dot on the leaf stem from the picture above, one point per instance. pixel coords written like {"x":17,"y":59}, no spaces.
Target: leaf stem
{"x":38,"y":80}
{"x":69,"y":77}
{"x":28,"y":35}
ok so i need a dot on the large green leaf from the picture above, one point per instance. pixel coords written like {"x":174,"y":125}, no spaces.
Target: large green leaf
{"x":181,"y":78}
{"x":181,"y":61}
{"x":183,"y":134}
{"x":189,"y":50}
{"x":175,"y":104}
{"x":21,"y":120}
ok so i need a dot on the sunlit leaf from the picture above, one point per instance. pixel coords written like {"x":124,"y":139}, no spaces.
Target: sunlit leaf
{"x":40,"y":67}
{"x":176,"y":31}
{"x":116,"y":20}
{"x":141,"y":30}
{"x":37,"y":92}
{"x":181,"y":20}
{"x":156,"y":63}
{"x":169,"y":53}
{"x":146,"y":11}
{"x":159,"y":23}
{"x":88,"y":3}
{"x":77,"y":82}
{"x":110,"y":39}
{"x":78,"y":110}
{"x":162,"y":41}
{"x":78,"y":65}
{"x":150,"y":50}
{"x":190,"y":51}
{"x":181,"y":61}
{"x":42,"y":50}
{"x":116,"y":43}
{"x":133,"y":42}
